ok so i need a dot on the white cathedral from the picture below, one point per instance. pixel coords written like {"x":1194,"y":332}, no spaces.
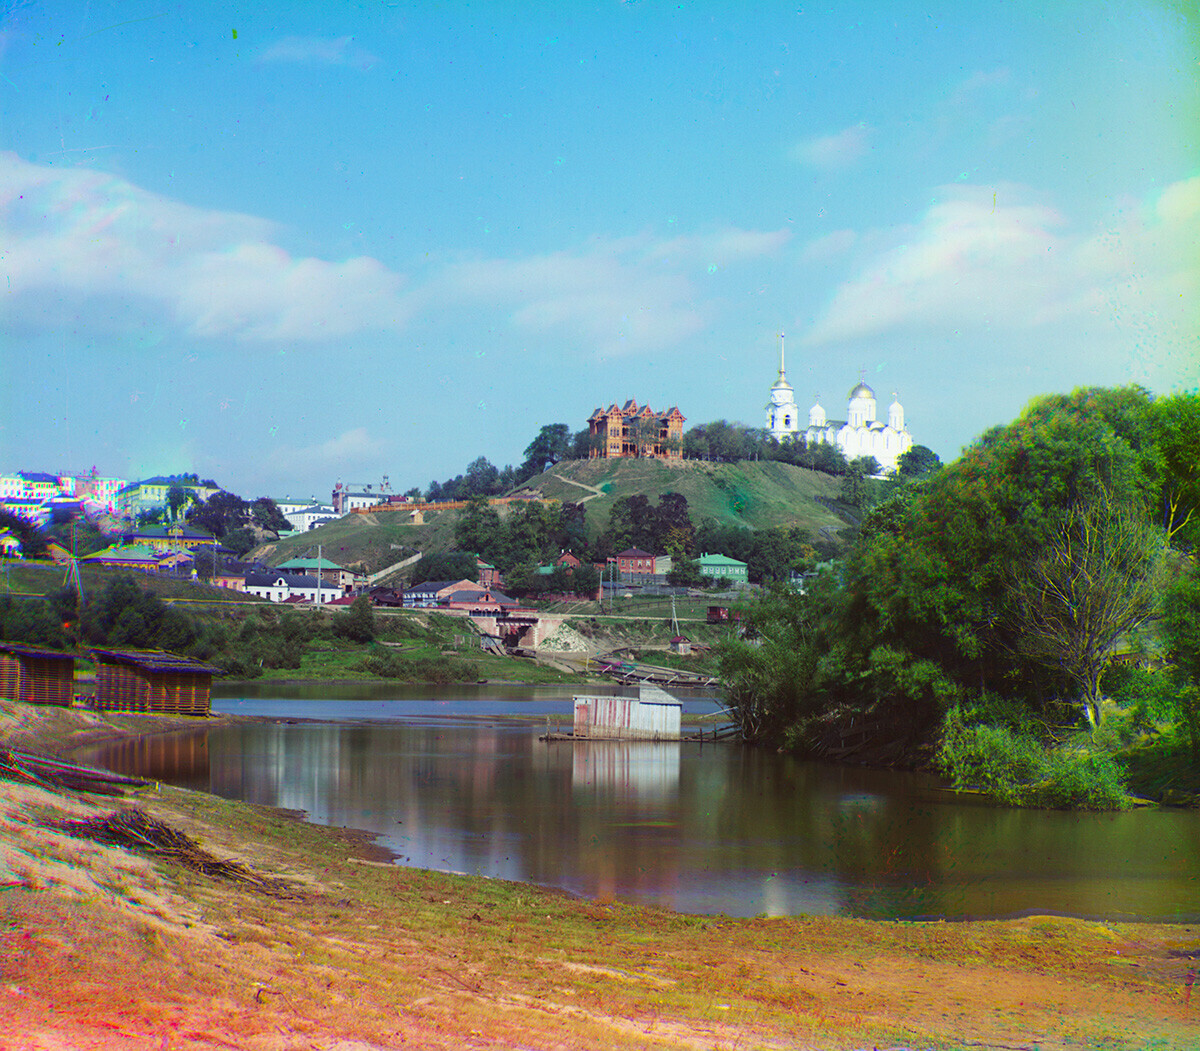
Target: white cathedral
{"x":860,"y":434}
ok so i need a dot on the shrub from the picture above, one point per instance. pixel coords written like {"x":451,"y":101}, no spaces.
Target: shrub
{"x":1018,"y":769}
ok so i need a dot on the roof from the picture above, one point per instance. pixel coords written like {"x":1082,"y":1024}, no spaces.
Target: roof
{"x":129,"y":553}
{"x":154,"y":660}
{"x":291,"y":580}
{"x":38,"y":476}
{"x":308,"y":563}
{"x":20,"y":649}
{"x":719,"y":560}
{"x":860,"y":391}
{"x":634,"y":552}
{"x":179,"y":531}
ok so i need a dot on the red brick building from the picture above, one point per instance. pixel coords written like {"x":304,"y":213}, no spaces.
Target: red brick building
{"x":634,"y":430}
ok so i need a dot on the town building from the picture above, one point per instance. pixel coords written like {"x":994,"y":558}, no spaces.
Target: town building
{"x":305,"y":518}
{"x":150,"y":494}
{"x":724,"y":569}
{"x":860,"y":434}
{"x":279,"y":586}
{"x":634,"y":430}
{"x":330,"y":572}
{"x":635,"y":566}
{"x":32,"y":494}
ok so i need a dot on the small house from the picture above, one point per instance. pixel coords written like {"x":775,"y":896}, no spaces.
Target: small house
{"x":36,"y":675}
{"x":681,"y":644}
{"x":152,"y":681}
{"x":654,"y":715}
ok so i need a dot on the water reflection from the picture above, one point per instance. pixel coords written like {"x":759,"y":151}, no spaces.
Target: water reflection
{"x":707,"y":829}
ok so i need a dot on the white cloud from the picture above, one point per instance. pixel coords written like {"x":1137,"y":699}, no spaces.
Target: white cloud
{"x":74,"y":236}
{"x":831,"y":152}
{"x":325,"y":51}
{"x":616,"y":295}
{"x":1000,"y":259}
{"x":91,"y":246}
{"x":348,"y":451}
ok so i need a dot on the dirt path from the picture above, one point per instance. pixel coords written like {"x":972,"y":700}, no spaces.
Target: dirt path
{"x":103,"y":948}
{"x":590,"y":488}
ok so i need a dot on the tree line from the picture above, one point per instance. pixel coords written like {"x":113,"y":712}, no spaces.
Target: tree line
{"x":719,"y":442}
{"x":978,"y":612}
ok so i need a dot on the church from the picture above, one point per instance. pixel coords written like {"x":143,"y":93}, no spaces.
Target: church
{"x":860,"y":434}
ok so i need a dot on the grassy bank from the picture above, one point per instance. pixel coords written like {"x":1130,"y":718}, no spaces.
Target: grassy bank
{"x":104,"y":947}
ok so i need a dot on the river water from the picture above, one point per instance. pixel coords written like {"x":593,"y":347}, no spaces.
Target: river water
{"x":456,"y":779}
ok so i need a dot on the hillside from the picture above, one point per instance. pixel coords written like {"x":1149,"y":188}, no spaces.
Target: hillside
{"x":757,"y":495}
{"x":754,"y":494}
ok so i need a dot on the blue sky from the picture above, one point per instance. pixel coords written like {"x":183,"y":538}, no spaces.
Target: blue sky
{"x":300,"y":243}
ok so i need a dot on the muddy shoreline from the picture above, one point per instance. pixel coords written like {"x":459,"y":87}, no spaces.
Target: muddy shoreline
{"x":101,"y":947}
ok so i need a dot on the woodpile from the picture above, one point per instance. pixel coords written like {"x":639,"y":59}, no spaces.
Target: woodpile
{"x":136,"y":830}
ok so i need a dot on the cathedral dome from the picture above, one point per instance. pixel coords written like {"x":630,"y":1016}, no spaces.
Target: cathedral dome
{"x":861,"y":391}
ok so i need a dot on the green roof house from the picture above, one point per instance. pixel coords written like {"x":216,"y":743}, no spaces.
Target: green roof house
{"x":723,"y":568}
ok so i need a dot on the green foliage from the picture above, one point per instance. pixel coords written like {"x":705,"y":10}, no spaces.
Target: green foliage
{"x":1015,"y":767}
{"x":1181,"y":629}
{"x":919,"y":460}
{"x":30,"y":620}
{"x":453,"y":565}
{"x":124,"y":614}
{"x":388,"y":664}
{"x":358,"y":623}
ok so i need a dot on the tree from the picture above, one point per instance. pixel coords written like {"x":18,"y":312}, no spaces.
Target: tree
{"x":857,"y":482}
{"x":358,"y":623}
{"x":266,"y":515}
{"x":1177,"y":436}
{"x":453,"y":565}
{"x":1094,"y":583}
{"x":220,"y":514}
{"x":482,"y":478}
{"x":1181,"y":624}
{"x":177,"y":498}
{"x":919,"y":460}
{"x":553,"y":443}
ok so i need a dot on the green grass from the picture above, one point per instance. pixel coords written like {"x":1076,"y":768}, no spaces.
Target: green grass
{"x":756,"y":495}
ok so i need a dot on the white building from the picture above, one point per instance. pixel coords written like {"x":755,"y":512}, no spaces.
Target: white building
{"x":860,"y":434}
{"x":783,"y":414}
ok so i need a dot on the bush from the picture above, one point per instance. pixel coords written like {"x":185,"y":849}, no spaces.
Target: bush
{"x":390,"y":665}
{"x":1016,"y":768}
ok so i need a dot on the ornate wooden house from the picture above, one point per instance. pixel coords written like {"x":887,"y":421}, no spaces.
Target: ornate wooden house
{"x":36,"y":675}
{"x":632,"y":430}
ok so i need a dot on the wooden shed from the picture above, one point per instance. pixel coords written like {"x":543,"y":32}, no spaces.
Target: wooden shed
{"x":654,"y":715}
{"x":36,"y":675}
{"x":152,"y":681}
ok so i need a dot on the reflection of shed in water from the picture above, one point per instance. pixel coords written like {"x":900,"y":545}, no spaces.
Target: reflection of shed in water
{"x":152,"y":681}
{"x":654,"y":715}
{"x":628,"y":769}
{"x":36,"y":675}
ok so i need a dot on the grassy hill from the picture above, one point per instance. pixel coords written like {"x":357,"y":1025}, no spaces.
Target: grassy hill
{"x":756,"y":495}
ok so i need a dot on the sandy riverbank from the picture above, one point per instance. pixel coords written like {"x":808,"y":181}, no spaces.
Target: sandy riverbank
{"x":104,"y":948}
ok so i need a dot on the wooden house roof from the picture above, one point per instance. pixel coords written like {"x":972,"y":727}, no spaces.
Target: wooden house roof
{"x":21,"y":649}
{"x":154,"y":660}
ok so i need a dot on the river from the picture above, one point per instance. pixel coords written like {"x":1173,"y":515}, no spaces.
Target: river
{"x":455,"y":778}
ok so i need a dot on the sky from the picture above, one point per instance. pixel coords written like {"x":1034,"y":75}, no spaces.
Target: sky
{"x":294,"y":244}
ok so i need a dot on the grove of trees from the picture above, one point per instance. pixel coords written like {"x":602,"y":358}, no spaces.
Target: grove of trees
{"x":979,"y":608}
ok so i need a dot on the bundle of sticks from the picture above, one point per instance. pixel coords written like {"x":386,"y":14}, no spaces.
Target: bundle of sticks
{"x":135,"y":829}
{"x":16,"y":765}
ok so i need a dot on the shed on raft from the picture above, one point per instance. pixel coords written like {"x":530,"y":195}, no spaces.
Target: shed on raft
{"x":654,"y":715}
{"x":152,"y":681}
{"x":36,"y":675}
